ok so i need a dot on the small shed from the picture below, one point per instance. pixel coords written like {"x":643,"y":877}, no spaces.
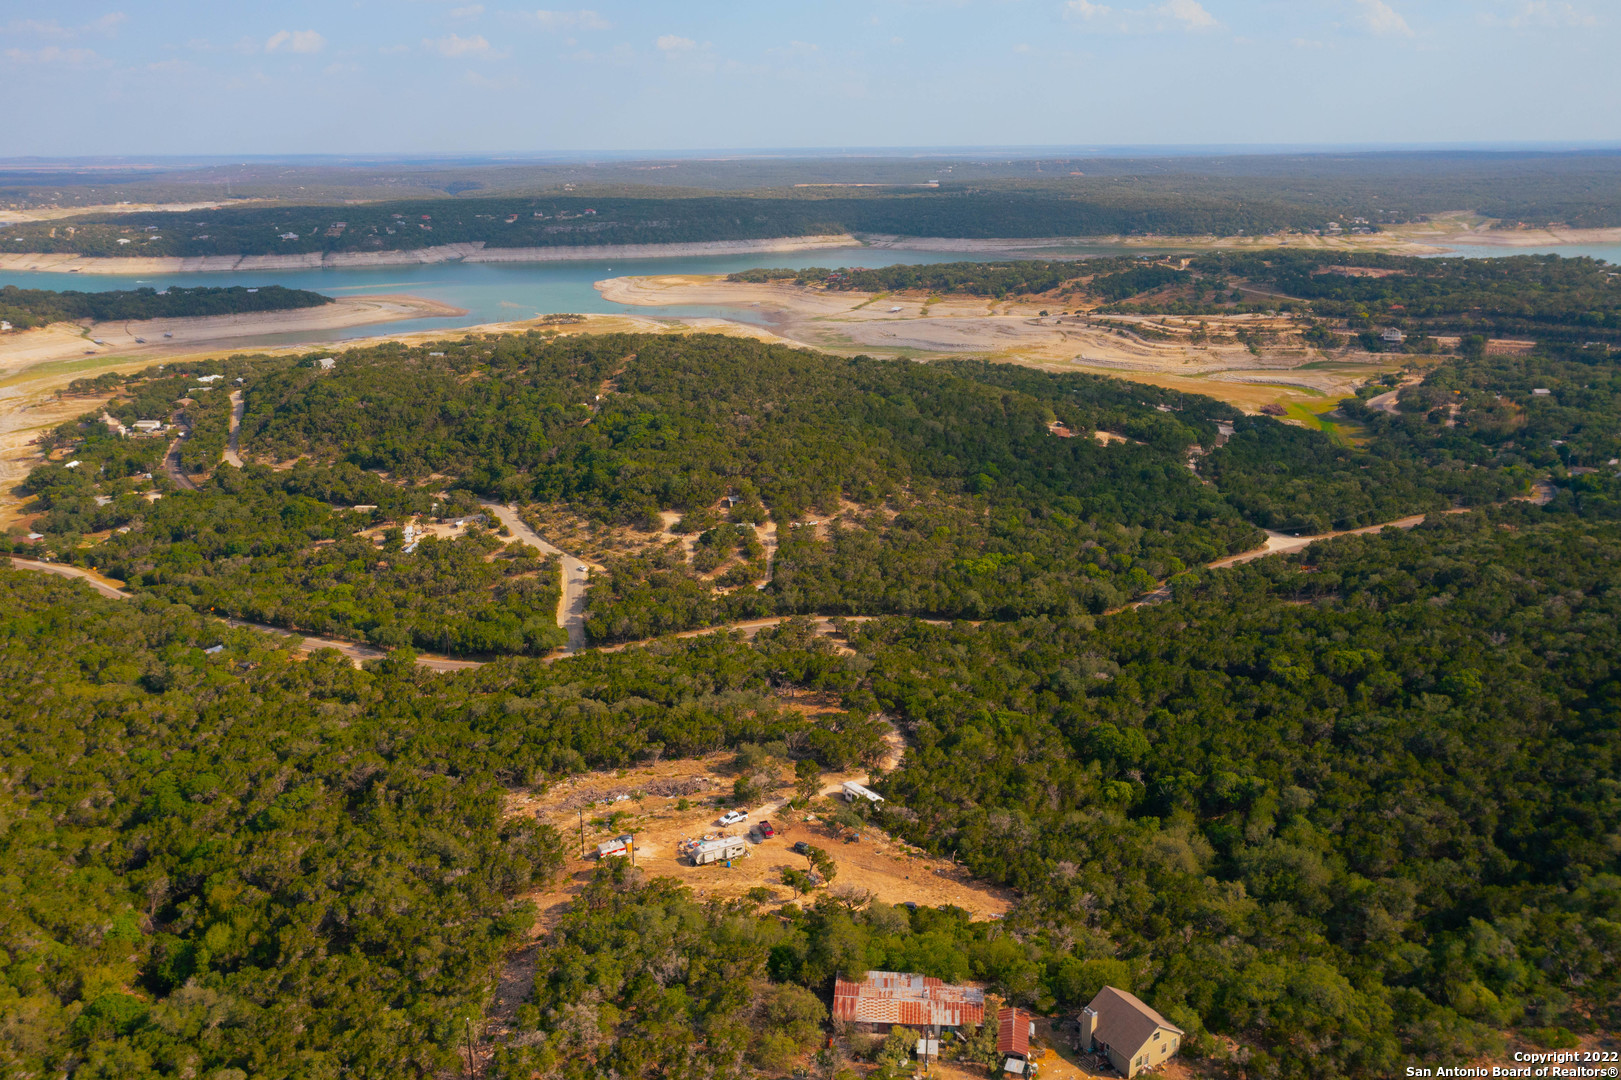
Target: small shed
{"x":1014,"y":1027}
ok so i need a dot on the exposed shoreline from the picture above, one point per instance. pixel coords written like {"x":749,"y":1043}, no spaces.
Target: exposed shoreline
{"x":352,"y":260}
{"x":136,"y":339}
{"x":1430,"y":238}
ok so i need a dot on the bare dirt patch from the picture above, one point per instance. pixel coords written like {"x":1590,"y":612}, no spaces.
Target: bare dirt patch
{"x":890,"y":870}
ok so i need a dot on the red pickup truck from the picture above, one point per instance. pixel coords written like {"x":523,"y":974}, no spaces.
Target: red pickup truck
{"x":765,"y":830}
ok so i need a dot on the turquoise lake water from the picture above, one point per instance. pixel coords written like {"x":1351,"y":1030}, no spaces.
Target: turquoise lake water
{"x":502,"y":292}
{"x":491,"y":292}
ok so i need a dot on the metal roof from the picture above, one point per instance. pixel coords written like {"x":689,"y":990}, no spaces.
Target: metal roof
{"x":1013,"y":1032}
{"x":892,"y":997}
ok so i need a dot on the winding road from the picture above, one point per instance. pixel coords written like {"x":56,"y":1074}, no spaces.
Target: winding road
{"x":571,"y":604}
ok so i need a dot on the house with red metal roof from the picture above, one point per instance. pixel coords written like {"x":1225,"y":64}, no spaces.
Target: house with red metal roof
{"x":882,"y":999}
{"x":1014,"y":1027}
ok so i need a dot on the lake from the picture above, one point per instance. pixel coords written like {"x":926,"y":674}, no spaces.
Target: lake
{"x":503,"y":292}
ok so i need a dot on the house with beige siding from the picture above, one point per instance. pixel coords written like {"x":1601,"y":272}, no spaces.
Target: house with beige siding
{"x":1126,"y":1031}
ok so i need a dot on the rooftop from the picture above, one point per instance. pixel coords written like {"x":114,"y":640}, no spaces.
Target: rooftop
{"x":892,"y":997}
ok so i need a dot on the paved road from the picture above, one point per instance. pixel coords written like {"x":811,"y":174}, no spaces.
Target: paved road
{"x":171,"y":462}
{"x":238,"y":407}
{"x":576,"y":574}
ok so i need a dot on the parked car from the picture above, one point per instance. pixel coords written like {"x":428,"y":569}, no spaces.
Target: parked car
{"x":766,"y":830}
{"x":800,"y":847}
{"x":732,"y":817}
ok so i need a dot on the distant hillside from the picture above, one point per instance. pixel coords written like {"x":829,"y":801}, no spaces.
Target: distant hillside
{"x":576,"y":221}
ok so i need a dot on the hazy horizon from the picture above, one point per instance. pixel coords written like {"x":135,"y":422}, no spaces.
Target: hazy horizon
{"x":634,"y":78}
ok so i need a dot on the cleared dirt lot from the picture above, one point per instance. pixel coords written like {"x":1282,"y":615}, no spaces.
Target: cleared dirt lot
{"x":891,"y":870}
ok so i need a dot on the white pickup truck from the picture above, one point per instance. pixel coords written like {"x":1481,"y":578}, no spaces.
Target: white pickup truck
{"x":732,"y":817}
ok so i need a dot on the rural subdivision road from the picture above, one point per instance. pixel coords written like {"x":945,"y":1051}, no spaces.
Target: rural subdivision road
{"x":171,"y":462}
{"x":571,"y":606}
{"x":238,"y":407}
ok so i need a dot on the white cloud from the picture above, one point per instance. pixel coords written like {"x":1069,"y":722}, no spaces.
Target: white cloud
{"x":295,"y":41}
{"x":456,"y":45}
{"x":1170,"y":15}
{"x":55,"y":54}
{"x":1382,"y":19}
{"x":1190,"y":13}
{"x":1543,"y":13}
{"x":584,"y":19}
{"x":1085,"y":9}
{"x":471,"y":11}
{"x":674,"y":43}
{"x":106,"y":26}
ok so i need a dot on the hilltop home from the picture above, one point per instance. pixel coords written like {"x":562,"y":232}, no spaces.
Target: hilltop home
{"x":883,"y":999}
{"x":1130,"y":1034}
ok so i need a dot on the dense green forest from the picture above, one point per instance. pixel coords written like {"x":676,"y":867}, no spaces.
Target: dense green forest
{"x":1348,"y":812}
{"x":1345,"y":809}
{"x":1547,"y":297}
{"x":25,"y":308}
{"x":282,"y":548}
{"x":949,"y":494}
{"x":1331,"y":813}
{"x":250,"y":864}
{"x":1484,"y":410}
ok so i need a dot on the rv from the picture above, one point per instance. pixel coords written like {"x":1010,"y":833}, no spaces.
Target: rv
{"x":853,"y":791}
{"x":719,"y":849}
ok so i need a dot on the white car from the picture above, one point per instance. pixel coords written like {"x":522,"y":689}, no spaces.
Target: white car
{"x":732,"y":817}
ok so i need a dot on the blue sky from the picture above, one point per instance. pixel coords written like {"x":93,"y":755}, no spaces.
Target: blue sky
{"x":416,"y":76}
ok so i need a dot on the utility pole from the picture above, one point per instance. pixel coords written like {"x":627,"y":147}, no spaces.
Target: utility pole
{"x":582,"y":832}
{"x":633,"y":849}
{"x":471,"y":1067}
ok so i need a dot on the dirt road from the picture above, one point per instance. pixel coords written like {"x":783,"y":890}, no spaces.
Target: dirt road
{"x":238,"y":407}
{"x":356,"y":652}
{"x":571,"y":604}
